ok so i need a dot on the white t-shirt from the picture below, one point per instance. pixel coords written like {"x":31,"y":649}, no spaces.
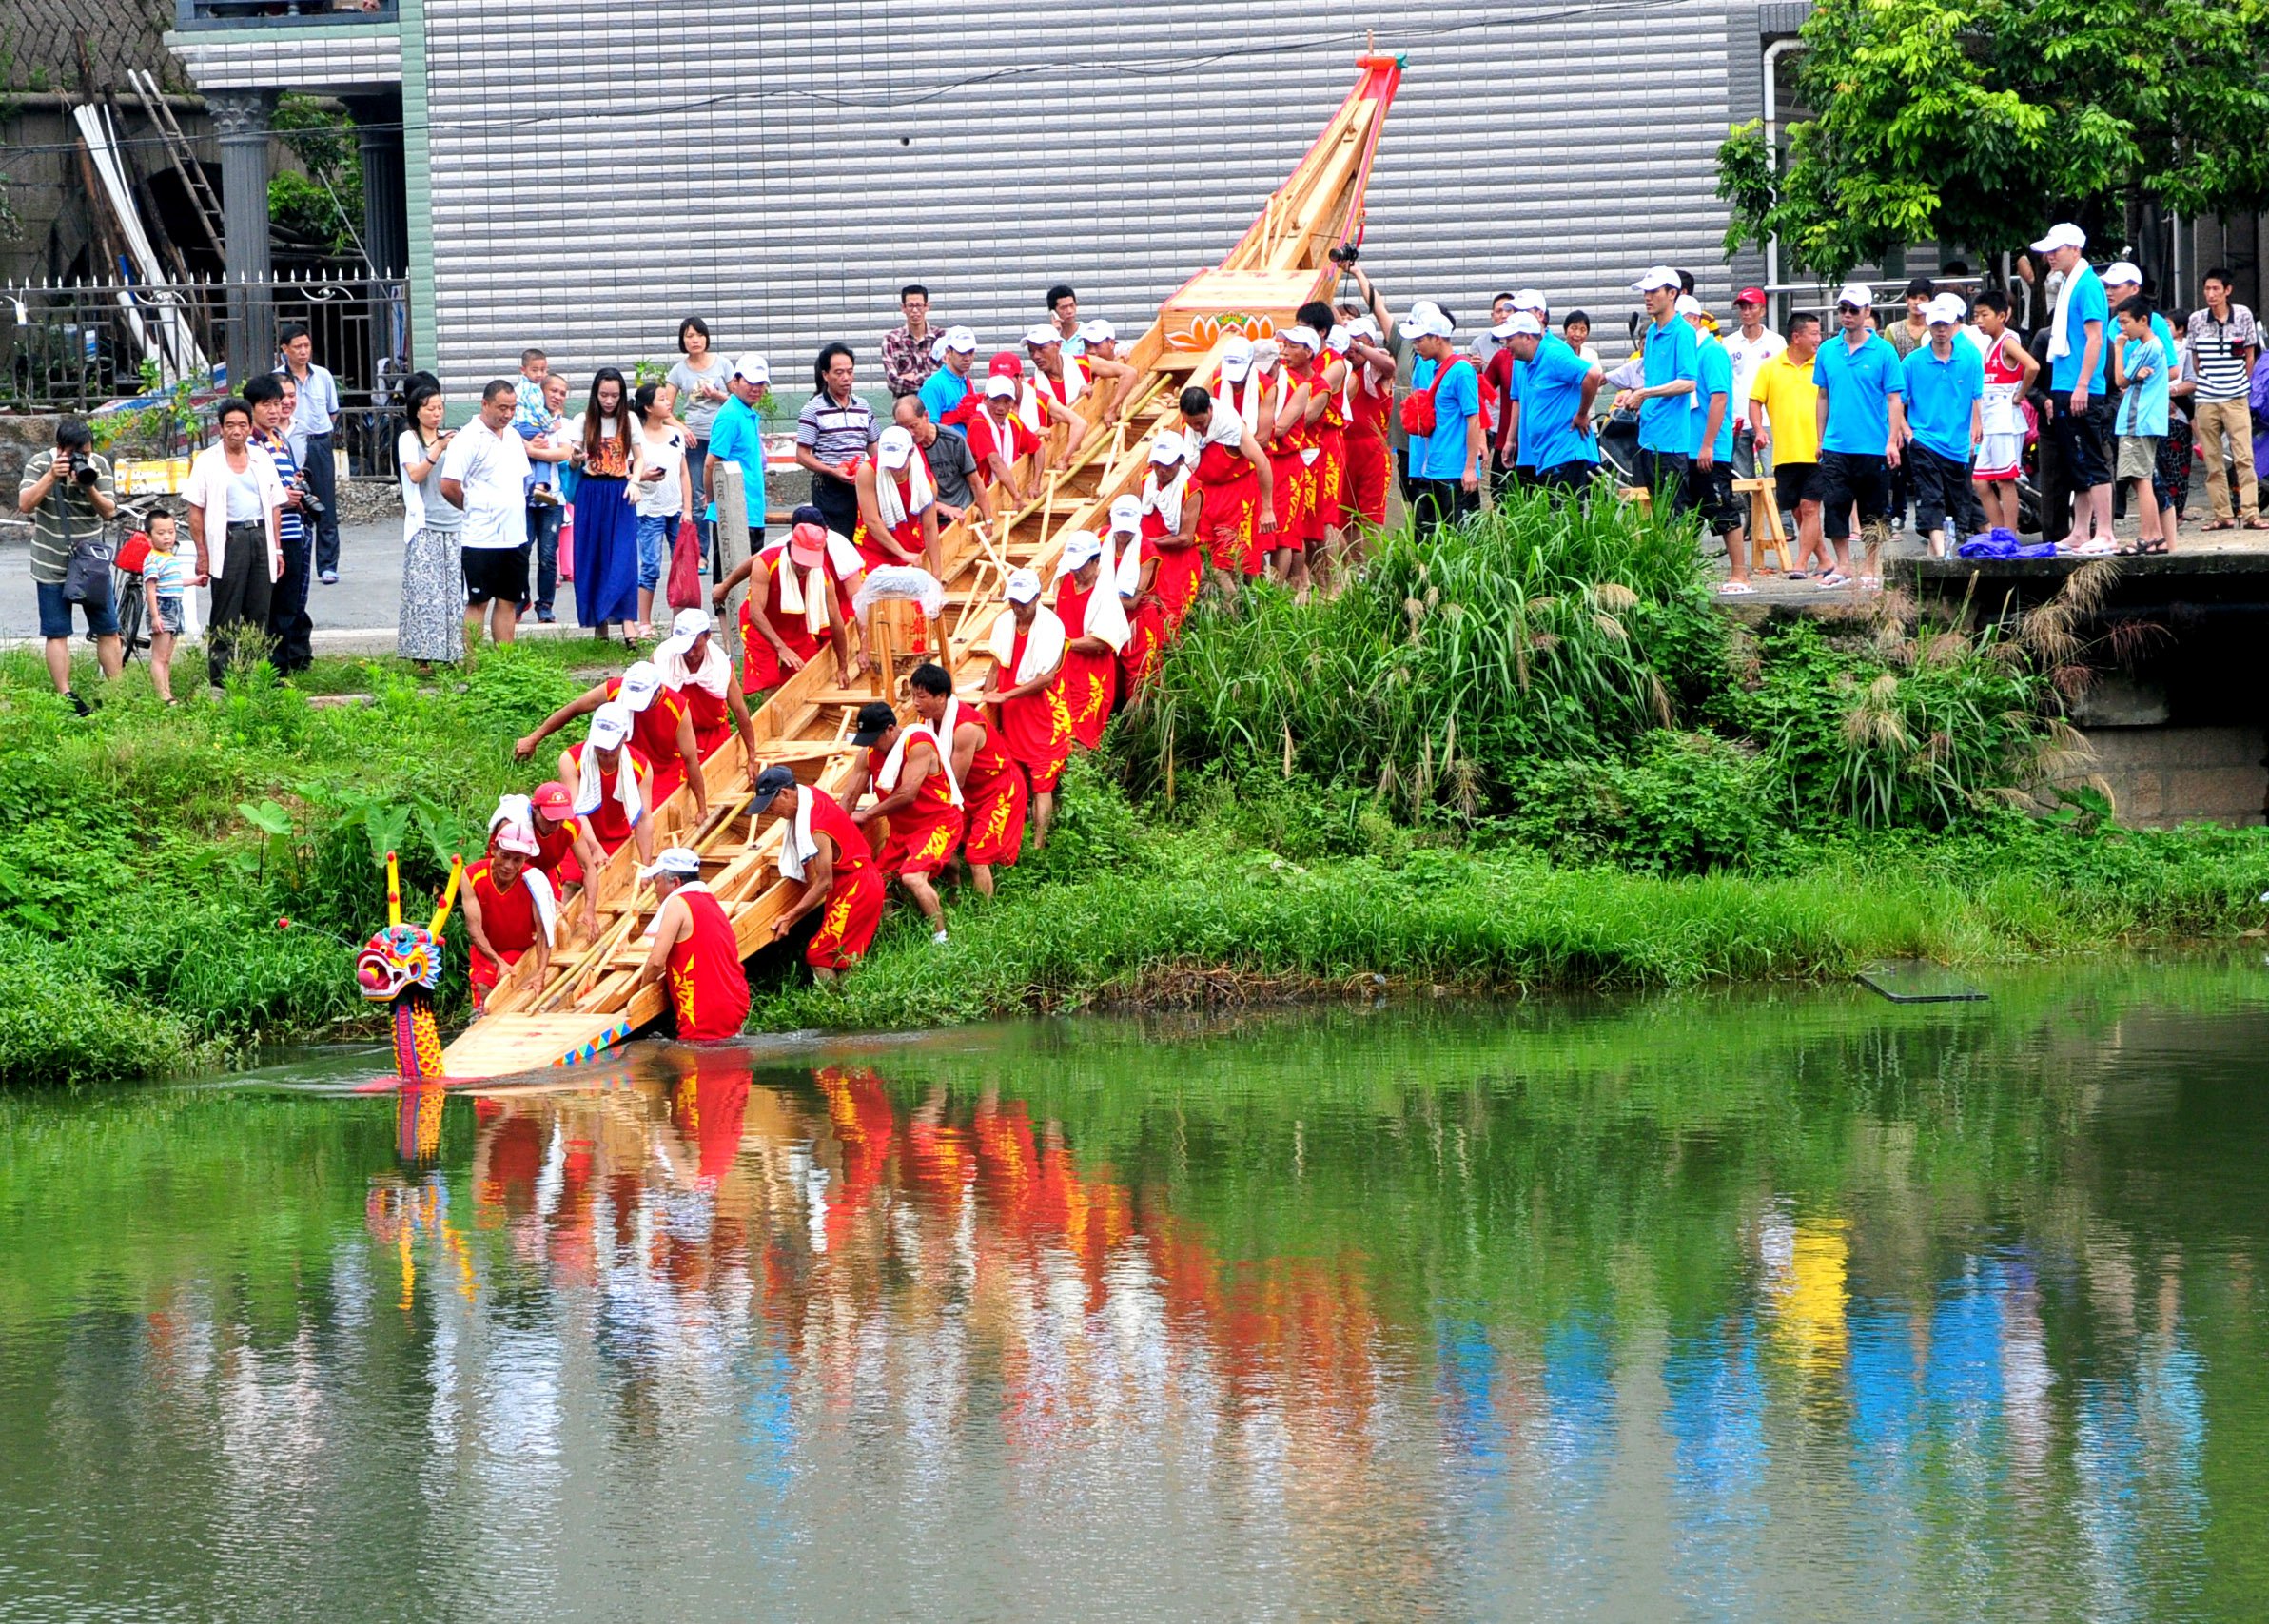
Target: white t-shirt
{"x":491,"y":467}
{"x":665,"y":496}
{"x":1749,"y":355}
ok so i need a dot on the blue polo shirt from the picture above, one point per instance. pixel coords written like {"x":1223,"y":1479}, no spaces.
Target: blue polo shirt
{"x":1552,"y":386}
{"x":2088,"y":305}
{"x":942,"y":391}
{"x":737,"y":436}
{"x":1859,"y":385}
{"x":1939,"y":395}
{"x":1714,"y":377}
{"x":1441,"y":454}
{"x":1672,"y":351}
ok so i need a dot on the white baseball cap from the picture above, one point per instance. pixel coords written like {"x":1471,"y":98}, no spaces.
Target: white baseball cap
{"x":960,"y":340}
{"x":1307,"y":338}
{"x":896,"y":449}
{"x":1520,"y":321}
{"x":687,"y":624}
{"x":610,"y":725}
{"x":1080,"y":546}
{"x":1042,"y":335}
{"x":1689,"y":306}
{"x":1126,"y":513}
{"x":640,"y":683}
{"x":1237,"y":360}
{"x":1420,"y":309}
{"x":2064,"y":234}
{"x":1429,"y":324}
{"x":1168,"y":448}
{"x":682,"y":861}
{"x":1856,"y":293}
{"x":754,"y":369}
{"x":1338,"y":339}
{"x":1023,"y":586}
{"x":1096,"y":331}
{"x":2121,"y":271}
{"x":1947,"y":308}
{"x":1529,"y":299}
{"x":1654,"y":277}
{"x":999,"y":388}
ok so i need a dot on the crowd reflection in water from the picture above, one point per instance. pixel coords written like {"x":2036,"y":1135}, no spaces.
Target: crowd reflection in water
{"x":949,"y":1268}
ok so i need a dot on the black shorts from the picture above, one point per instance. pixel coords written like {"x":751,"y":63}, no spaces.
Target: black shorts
{"x":1710,"y":492}
{"x":1574,"y":476}
{"x":499,"y":573}
{"x":1664,"y":473}
{"x":1848,"y":480}
{"x":1794,"y":483}
{"x":1941,"y":489}
{"x":2079,"y":443}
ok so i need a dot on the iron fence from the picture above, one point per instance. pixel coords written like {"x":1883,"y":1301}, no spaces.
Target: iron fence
{"x":101,"y":347}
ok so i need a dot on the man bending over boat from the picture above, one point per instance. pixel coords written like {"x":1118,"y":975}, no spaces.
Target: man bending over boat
{"x":824,"y":852}
{"x":694,"y":953}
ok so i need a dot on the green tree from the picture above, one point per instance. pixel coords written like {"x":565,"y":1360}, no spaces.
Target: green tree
{"x":325,"y":204}
{"x":1975,"y":123}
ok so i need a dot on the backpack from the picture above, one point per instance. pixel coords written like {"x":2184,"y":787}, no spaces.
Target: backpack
{"x":1418,"y":406}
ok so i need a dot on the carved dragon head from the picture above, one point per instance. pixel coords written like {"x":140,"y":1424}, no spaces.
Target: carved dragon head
{"x":396,"y":959}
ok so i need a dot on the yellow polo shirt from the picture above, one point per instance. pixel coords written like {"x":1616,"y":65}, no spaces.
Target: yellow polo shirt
{"x":1791,"y":399}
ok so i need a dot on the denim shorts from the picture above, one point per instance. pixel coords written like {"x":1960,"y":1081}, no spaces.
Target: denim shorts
{"x":169,"y":614}
{"x":655,"y":532}
{"x":55,"y":611}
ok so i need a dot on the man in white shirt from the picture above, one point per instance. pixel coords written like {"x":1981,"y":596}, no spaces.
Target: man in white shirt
{"x":484,"y":472}
{"x":314,"y":421}
{"x":1750,"y":346}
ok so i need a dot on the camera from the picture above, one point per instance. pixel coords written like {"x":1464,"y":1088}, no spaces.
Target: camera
{"x":309,"y":501}
{"x":1346,"y":254}
{"x":85,"y":475}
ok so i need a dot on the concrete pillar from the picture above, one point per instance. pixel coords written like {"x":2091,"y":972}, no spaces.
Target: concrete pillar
{"x":240,"y":119}
{"x":385,"y":206}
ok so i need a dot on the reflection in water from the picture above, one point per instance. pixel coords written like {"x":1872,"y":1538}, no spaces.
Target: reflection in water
{"x":1353,"y":1322}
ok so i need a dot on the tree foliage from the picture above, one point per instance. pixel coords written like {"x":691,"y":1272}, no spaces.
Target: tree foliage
{"x":1975,"y":122}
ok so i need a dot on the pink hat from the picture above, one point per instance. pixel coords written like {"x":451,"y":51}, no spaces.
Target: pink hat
{"x":807,"y":545}
{"x":1006,"y":363}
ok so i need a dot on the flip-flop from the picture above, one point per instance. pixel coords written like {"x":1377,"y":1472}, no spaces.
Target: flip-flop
{"x":2221,"y":525}
{"x":1734,"y":589}
{"x":1830,"y":581}
{"x":1870,"y":583}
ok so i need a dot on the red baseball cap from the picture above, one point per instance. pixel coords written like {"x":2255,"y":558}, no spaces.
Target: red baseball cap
{"x":806,"y":544}
{"x":1008,"y":363}
{"x":552,"y":798}
{"x":1750,"y":295}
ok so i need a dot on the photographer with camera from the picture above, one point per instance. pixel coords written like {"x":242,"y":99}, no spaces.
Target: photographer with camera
{"x":67,"y":495}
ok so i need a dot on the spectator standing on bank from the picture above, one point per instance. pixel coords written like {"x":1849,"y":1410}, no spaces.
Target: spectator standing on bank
{"x":550,"y":450}
{"x":737,"y":436}
{"x":1785,"y":412}
{"x":606,"y":513}
{"x":947,"y":394}
{"x":67,"y":490}
{"x":833,"y":433}
{"x":662,"y":485}
{"x":2222,"y":339}
{"x":1863,"y":425}
{"x":430,"y":625}
{"x":482,"y":475}
{"x":1750,"y":346}
{"x":2009,"y":370}
{"x":236,"y":521}
{"x":165,"y":584}
{"x":1945,"y":419}
{"x":1671,"y":361}
{"x":1912,"y":332}
{"x":2079,"y":344}
{"x":701,"y":378}
{"x":1064,"y":311}
{"x":314,"y":422}
{"x":1710,"y":451}
{"x":2123,"y":281}
{"x":908,"y":351}
{"x":2140,"y":366}
{"x":1445,"y":464}
{"x":290,"y":629}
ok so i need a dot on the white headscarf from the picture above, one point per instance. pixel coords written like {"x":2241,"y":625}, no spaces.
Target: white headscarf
{"x":1044,"y":643}
{"x":887,"y":779}
{"x":715,"y":674}
{"x":590,"y":787}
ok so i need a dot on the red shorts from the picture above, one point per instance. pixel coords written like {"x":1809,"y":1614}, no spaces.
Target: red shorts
{"x":482,"y":970}
{"x":996,"y":823}
{"x":1043,"y":776}
{"x":921,"y":847}
{"x":1226,"y":525}
{"x":847,"y":920}
{"x":1293,"y":499}
{"x":1363,"y":483}
{"x":1331,"y":479}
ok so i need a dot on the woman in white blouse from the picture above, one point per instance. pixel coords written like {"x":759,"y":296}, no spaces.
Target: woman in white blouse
{"x":431,"y":624}
{"x":236,"y":510}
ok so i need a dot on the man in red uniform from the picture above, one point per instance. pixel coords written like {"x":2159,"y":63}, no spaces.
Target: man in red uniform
{"x":660,"y":726}
{"x":699,"y":673}
{"x":1234,"y":492}
{"x":1095,"y":631}
{"x":1327,"y":419}
{"x":1180,"y":562}
{"x":1136,"y":579}
{"x":998,"y":440}
{"x":509,"y":910}
{"x":992,"y":786}
{"x":810,"y":577}
{"x":1282,"y":363}
{"x":823,"y":851}
{"x":1026,"y":685}
{"x":612,"y":782}
{"x":897,"y":505}
{"x":917,"y":802}
{"x":1370,"y":398}
{"x":696,"y":955}
{"x":564,"y":850}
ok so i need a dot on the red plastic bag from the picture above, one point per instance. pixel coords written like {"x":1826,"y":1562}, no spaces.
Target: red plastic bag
{"x":567,"y":546}
{"x":685,"y":567}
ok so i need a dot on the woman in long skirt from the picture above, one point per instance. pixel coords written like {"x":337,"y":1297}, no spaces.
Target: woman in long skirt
{"x":606,"y":519}
{"x":431,"y":624}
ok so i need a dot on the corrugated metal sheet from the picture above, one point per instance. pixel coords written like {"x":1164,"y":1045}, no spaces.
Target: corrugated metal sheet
{"x":601,"y":170}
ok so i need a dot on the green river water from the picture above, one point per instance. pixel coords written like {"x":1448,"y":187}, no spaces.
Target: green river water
{"x":1751,"y":1305}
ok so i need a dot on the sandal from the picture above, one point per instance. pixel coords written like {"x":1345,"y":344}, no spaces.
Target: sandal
{"x":2257,"y":524}
{"x":2221,"y":525}
{"x":1870,"y":583}
{"x":1734,"y":589}
{"x":1833,"y":580}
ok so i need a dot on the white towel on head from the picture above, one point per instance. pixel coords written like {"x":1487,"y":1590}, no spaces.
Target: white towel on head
{"x":894,"y":507}
{"x":1165,"y":500}
{"x":1044,"y":644}
{"x":2060,"y":334}
{"x":590,"y":787}
{"x":517,"y":811}
{"x":887,"y":779}
{"x":796,"y":845}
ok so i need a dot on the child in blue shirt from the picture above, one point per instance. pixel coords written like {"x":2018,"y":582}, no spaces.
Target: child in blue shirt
{"x":2140,"y":366}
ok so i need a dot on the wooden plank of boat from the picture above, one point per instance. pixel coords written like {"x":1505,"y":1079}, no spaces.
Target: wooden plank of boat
{"x":589,"y":998}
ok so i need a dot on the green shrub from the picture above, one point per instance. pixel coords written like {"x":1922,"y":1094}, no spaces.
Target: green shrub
{"x":56,"y":1029}
{"x":1686,"y":803}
